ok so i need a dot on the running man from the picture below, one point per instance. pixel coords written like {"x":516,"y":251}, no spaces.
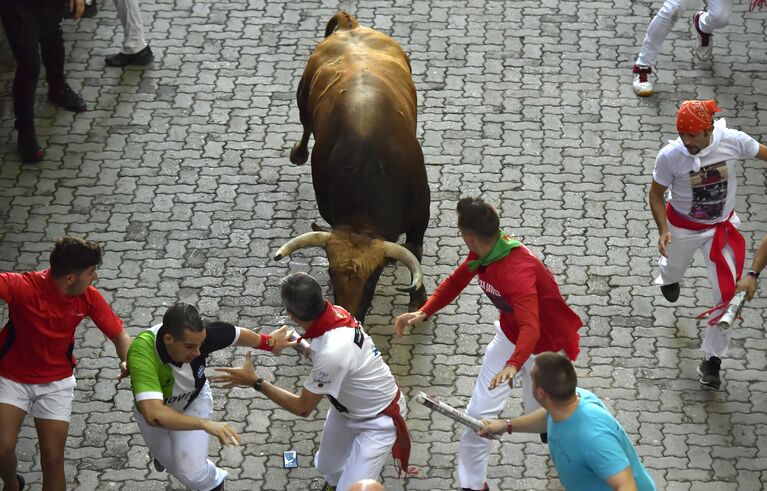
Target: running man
{"x":173,"y":399}
{"x":533,"y":318}
{"x":36,"y":352}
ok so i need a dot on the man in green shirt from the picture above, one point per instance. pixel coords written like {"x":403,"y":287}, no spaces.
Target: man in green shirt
{"x":173,"y":398}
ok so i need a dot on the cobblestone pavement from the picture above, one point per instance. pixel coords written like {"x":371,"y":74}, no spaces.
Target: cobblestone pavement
{"x":182,"y":171}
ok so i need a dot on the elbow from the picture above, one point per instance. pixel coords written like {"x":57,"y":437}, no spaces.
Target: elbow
{"x":303,"y":413}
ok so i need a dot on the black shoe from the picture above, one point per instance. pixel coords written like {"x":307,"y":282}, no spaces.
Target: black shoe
{"x":143,"y":57}
{"x":27,"y":146}
{"x":486,"y":487}
{"x":157,"y":465}
{"x":66,"y":98}
{"x":91,"y":9}
{"x":22,"y":482}
{"x":220,"y":487}
{"x":544,"y":438}
{"x":709,"y":372}
{"x":671,"y":292}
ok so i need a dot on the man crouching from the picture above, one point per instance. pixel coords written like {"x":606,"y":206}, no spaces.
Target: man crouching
{"x":366,"y":419}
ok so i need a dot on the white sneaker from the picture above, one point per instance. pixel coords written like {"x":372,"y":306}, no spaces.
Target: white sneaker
{"x":642,"y":85}
{"x":704,"y":45}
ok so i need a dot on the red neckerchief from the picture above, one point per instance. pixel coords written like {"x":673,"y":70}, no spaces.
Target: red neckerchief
{"x":333,"y":317}
{"x":400,"y":451}
{"x":725,"y":234}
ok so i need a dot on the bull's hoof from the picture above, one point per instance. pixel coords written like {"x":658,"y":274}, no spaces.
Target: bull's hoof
{"x":316,"y":227}
{"x":299,"y":155}
{"x":417,"y":299}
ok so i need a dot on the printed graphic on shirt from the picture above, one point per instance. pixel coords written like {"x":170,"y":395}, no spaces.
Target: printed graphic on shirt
{"x":495,"y":296}
{"x":709,"y":191}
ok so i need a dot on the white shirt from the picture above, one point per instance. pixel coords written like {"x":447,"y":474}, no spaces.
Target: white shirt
{"x":702,"y":186}
{"x":348,"y":368}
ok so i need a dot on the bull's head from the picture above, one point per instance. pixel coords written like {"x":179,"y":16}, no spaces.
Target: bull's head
{"x":356,"y":261}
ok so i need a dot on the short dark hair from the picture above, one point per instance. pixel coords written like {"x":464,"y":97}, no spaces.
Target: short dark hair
{"x":74,"y":255}
{"x":555,"y":374}
{"x":180,"y":317}
{"x":302,"y":296}
{"x":478,"y":217}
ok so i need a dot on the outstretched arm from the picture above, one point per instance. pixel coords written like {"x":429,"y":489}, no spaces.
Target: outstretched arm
{"x":156,"y":413}
{"x":246,"y":376}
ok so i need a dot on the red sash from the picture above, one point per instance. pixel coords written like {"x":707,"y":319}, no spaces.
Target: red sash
{"x":401,"y":449}
{"x":725,"y":234}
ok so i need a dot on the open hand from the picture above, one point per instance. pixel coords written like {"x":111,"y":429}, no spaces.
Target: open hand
{"x":223,"y":431}
{"x":245,"y":376}
{"x":282,"y":339}
{"x":505,"y":375}
{"x":408,"y":319}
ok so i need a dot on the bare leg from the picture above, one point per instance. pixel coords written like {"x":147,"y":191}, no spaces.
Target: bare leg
{"x":11,"y":418}
{"x":52,"y":435}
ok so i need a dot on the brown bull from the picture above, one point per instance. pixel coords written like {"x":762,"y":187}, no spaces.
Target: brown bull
{"x":358,"y":99}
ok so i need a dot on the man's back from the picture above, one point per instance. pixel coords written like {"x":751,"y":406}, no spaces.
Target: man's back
{"x":590,"y":446}
{"x":349,"y":369}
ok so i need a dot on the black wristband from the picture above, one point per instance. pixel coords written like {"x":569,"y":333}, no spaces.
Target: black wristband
{"x":257,"y":383}
{"x":753,"y":273}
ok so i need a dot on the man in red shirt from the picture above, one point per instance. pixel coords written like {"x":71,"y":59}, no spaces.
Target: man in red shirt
{"x":534,"y":318}
{"x":36,"y":352}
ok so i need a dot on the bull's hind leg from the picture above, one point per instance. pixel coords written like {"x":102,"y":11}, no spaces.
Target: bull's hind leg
{"x":299,"y":154}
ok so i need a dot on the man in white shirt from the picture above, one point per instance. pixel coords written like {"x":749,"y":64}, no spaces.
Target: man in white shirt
{"x":698,"y":169}
{"x":366,"y":420}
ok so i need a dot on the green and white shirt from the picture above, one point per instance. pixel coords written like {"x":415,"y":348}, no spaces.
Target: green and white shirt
{"x":155,"y":376}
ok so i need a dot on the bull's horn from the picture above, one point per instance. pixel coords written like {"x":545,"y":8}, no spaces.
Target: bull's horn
{"x":401,"y":254}
{"x":309,"y":239}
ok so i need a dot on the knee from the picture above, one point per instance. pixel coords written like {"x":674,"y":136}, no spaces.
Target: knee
{"x":52,"y":460}
{"x":671,"y":10}
{"x":192,"y":478}
{"x":326,"y":466}
{"x":718,"y":19}
{"x":7,"y":448}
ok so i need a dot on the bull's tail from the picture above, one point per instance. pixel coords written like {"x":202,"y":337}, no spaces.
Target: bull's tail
{"x":342,"y":20}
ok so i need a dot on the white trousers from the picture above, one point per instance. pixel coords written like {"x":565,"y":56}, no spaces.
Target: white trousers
{"x":473,"y":450}
{"x":184,"y":454}
{"x":352,"y":449}
{"x":717,"y":16}
{"x":129,"y":13}
{"x":683,"y":245}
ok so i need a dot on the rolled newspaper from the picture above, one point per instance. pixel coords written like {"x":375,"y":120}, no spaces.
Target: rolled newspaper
{"x":449,"y":411}
{"x":733,"y":311}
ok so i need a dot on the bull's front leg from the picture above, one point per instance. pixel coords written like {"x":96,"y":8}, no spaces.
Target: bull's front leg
{"x":417,"y":297}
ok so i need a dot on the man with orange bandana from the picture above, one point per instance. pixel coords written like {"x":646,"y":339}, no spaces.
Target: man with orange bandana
{"x":698,"y":169}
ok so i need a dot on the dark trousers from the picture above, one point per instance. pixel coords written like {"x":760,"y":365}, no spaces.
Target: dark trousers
{"x":33,"y":29}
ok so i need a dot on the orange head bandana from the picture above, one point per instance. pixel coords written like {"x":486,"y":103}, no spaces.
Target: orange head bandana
{"x":694,"y":116}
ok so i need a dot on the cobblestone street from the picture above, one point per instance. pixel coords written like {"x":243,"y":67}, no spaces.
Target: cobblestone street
{"x":181,"y":171}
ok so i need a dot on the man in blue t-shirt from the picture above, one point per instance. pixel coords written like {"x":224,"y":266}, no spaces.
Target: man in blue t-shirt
{"x":590,"y":449}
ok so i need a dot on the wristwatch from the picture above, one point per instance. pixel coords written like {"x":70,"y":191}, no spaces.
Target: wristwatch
{"x":754,"y":274}
{"x":257,"y":383}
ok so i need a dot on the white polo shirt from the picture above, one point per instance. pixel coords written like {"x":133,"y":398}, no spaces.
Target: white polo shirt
{"x":348,"y":368}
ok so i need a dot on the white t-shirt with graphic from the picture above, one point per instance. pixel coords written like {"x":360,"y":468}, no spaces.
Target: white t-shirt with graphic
{"x":348,"y":368}
{"x":702,"y":186}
